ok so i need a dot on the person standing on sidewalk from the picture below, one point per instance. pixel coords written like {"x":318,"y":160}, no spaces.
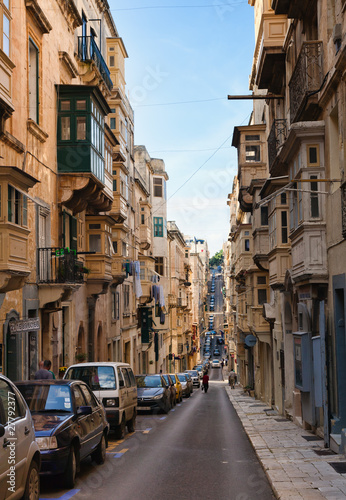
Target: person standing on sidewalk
{"x":232,"y":378}
{"x":205,"y":382}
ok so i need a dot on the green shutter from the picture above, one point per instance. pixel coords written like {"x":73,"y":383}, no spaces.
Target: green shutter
{"x":73,"y":233}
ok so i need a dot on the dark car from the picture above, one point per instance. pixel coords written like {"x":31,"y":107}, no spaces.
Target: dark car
{"x":153,"y":393}
{"x":170,"y":382}
{"x":216,"y":352}
{"x":70,"y":424}
{"x":194,"y":377}
{"x":188,"y":382}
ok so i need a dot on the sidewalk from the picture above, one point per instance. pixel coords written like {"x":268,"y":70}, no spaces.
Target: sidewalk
{"x":295,"y":461}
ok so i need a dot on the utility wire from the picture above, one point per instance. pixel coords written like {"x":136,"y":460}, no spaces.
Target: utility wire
{"x":178,"y":102}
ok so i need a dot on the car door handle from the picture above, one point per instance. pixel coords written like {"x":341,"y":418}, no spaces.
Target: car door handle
{"x":6,"y":443}
{"x":26,"y":431}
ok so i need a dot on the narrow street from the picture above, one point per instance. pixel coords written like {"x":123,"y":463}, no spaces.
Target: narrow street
{"x":198,"y":451}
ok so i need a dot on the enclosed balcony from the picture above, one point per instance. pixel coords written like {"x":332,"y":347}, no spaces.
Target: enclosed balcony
{"x":99,"y":252}
{"x":118,"y":272}
{"x":14,"y":229}
{"x":80,"y":148}
{"x":172,"y":300}
{"x":119,"y":208}
{"x":148,"y":278}
{"x":295,"y":9}
{"x":181,"y":302}
{"x":257,"y":324}
{"x":276,"y":138}
{"x":305,"y":83}
{"x":88,"y":52}
{"x":271,"y":56}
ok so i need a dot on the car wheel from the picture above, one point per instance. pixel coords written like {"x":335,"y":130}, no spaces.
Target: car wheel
{"x":131,"y":424}
{"x":71,"y":471}
{"x":99,"y":455}
{"x":121,"y":429}
{"x":32,"y":486}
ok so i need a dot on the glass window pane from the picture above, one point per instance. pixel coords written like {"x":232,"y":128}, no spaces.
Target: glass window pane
{"x":65,"y":128}
{"x":6,"y":35}
{"x":112,"y":123}
{"x":81,"y":105}
{"x":6,"y":4}
{"x":81,"y":128}
{"x":65,"y":105}
{"x":252,"y":153}
{"x":95,"y":243}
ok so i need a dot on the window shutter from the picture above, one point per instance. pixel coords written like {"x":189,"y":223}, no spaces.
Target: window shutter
{"x":73,"y":233}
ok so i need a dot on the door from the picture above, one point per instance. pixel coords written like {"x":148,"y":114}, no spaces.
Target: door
{"x":122,"y":393}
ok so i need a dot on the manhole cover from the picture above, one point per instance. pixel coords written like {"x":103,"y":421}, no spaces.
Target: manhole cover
{"x":340,"y":467}
{"x":323,"y":453}
{"x":312,"y":438}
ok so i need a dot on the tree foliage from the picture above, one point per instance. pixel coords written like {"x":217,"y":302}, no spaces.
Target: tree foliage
{"x":217,"y":259}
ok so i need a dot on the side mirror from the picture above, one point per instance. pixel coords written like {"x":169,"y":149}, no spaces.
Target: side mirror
{"x":84,"y":410}
{"x":121,"y":383}
{"x":2,"y":430}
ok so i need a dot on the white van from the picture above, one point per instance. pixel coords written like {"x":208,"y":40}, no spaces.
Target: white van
{"x":114,"y":385}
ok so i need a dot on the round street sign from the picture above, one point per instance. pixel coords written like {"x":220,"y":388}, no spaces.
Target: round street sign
{"x":250,"y":340}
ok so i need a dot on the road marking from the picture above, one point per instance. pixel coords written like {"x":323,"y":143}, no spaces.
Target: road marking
{"x":118,"y":455}
{"x":163,"y":418}
{"x":66,"y":496}
{"x":124,"y":450}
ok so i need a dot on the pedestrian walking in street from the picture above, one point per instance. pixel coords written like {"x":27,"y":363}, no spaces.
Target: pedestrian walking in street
{"x":232,"y":378}
{"x":205,"y":381}
{"x":44,"y":373}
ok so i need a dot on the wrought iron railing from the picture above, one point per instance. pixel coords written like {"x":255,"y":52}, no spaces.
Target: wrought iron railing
{"x":89,"y":51}
{"x":307,"y":76}
{"x":276,"y":138}
{"x":59,"y":265}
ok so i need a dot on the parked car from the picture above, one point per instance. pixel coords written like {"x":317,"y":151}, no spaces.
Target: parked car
{"x":216,"y":363}
{"x":70,"y":424}
{"x":172,"y":388}
{"x":216,"y":352}
{"x":17,"y":438}
{"x":114,"y":385}
{"x":189,"y":382}
{"x":211,"y":307}
{"x":200,"y":370}
{"x":184,"y":384}
{"x":178,"y":387}
{"x":194,"y":377}
{"x":153,"y":393}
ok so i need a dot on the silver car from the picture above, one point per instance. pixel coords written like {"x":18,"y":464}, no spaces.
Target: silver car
{"x":195,"y":377}
{"x":20,"y":459}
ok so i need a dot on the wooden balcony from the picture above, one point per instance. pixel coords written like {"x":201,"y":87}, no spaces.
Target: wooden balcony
{"x":147,"y":274}
{"x":305,"y":82}
{"x":144,"y":236}
{"x":119,"y":208}
{"x":279,"y":261}
{"x":271,"y":58}
{"x":257,"y":324}
{"x":276,"y":139}
{"x":261,"y":247}
{"x":14,"y":231}
{"x":118,"y":272}
{"x":181,"y":302}
{"x":172,"y":300}
{"x":294,"y":9}
{"x":309,"y":255}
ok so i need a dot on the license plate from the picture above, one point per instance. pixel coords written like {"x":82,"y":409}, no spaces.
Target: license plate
{"x":146,"y":408}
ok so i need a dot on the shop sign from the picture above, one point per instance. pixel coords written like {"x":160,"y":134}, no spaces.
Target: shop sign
{"x":250,"y":340}
{"x":24,"y":325}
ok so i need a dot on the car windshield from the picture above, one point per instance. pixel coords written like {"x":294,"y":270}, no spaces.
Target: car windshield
{"x":98,"y":378}
{"x":193,"y":373}
{"x":167,"y":379}
{"x":173,"y":379}
{"x":42,"y":398}
{"x":182,"y":378}
{"x":215,"y":361}
{"x":148,"y":381}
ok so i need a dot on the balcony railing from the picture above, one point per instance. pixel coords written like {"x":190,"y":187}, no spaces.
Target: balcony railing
{"x":89,"y":51}
{"x":306,"y":78}
{"x":276,"y":138}
{"x":59,"y":265}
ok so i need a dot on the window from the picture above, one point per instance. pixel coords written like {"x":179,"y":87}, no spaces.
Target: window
{"x":158,"y":226}
{"x":261,"y":296}
{"x":284,"y":228}
{"x":252,"y":137}
{"x":81,"y":128}
{"x":95,"y":243}
{"x":6,"y":34}
{"x":65,"y":128}
{"x":126,"y":298}
{"x":159,"y":266}
{"x":158,"y":191}
{"x":114,"y":184}
{"x":283,"y":199}
{"x":264,"y":216}
{"x":247,"y":245}
{"x":252,"y":153}
{"x":111,"y":61}
{"x":272,"y":231}
{"x":313,"y":156}
{"x":33,"y":82}
{"x":142,"y":219}
{"x":17,"y":207}
{"x":81,"y":105}
{"x":314,"y":198}
{"x":261,"y":280}
{"x":113,"y":123}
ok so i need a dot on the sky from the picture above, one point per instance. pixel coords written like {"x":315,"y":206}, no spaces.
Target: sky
{"x":185,"y":57}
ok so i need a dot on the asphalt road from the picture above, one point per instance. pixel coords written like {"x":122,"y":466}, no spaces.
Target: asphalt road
{"x":198,"y":451}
